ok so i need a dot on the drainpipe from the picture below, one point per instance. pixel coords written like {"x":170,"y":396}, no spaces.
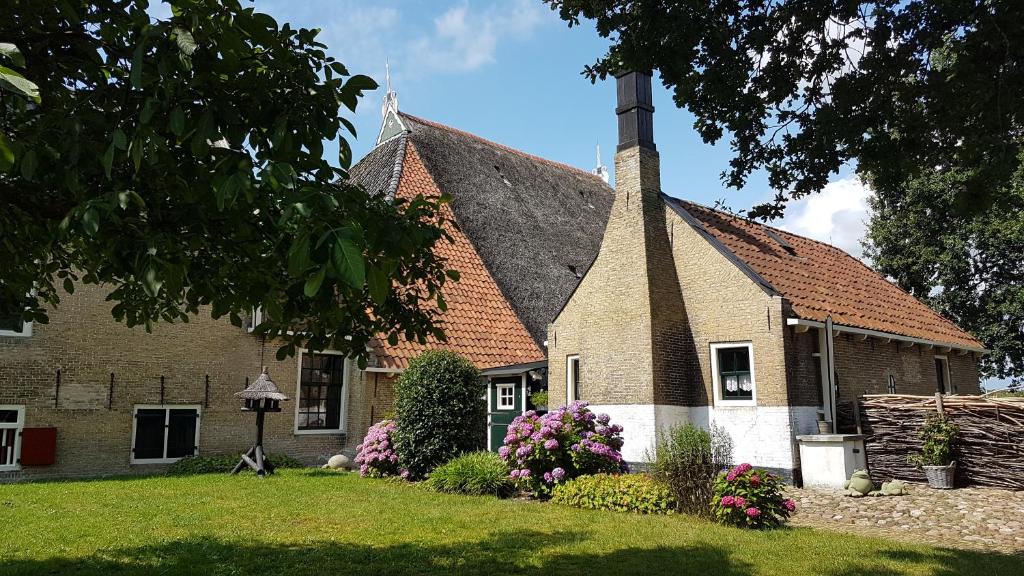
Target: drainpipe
{"x":830,"y":374}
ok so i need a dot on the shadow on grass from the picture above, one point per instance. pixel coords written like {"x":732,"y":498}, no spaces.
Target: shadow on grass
{"x":528,"y":553}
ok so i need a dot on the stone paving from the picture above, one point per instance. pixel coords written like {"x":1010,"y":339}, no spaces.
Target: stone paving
{"x":975,"y":518}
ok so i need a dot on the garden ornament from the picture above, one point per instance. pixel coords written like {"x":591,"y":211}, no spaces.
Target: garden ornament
{"x":891,"y":488}
{"x":859,"y":484}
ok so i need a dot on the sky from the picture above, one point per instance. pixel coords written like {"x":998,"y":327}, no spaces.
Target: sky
{"x":509,"y":71}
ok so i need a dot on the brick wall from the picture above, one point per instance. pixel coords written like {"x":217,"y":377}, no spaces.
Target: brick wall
{"x":84,"y":342}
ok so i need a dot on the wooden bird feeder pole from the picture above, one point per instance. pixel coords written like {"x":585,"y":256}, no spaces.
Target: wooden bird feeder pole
{"x":261,"y":396}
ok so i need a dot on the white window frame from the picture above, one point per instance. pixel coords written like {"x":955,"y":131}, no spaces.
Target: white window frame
{"x":500,"y":388}
{"x":345,"y":381}
{"x":719,"y":398}
{"x":947,"y":384}
{"x":25,"y":332}
{"x":570,"y":382}
{"x":167,"y":416}
{"x":18,"y":425}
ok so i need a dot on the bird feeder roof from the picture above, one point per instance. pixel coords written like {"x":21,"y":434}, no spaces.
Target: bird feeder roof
{"x":263,"y":388}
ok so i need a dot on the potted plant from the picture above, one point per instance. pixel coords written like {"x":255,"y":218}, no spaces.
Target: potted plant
{"x":539,"y":400}
{"x":938,"y":436}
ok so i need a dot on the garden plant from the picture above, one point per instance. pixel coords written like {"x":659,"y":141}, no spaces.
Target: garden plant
{"x":377,"y":457}
{"x":750,"y":498}
{"x":475,"y":474}
{"x":687,"y":459}
{"x":618,"y":492}
{"x":567,"y":442}
{"x":439,"y":413}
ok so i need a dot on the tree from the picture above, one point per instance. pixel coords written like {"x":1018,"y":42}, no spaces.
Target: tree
{"x":803,"y":88}
{"x":968,"y":267}
{"x":179,"y":161}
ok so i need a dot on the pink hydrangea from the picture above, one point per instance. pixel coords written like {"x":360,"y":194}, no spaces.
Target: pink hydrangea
{"x":740,"y":501}
{"x":755,"y":480}
{"x":728,"y":501}
{"x":376,"y":454}
{"x":788,"y":504}
{"x":753,"y":512}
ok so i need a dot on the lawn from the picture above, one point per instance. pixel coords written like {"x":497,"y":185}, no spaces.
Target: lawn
{"x":312,"y":522}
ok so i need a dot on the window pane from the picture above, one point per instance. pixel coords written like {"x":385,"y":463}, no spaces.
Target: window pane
{"x":321,"y":391}
{"x":149,"y":433}
{"x":735,"y":378}
{"x":181,"y":433}
{"x":7,"y":437}
{"x":8,"y":416}
{"x":11,"y":323}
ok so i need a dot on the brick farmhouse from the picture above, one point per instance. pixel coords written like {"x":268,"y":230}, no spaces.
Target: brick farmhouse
{"x":656,"y":310}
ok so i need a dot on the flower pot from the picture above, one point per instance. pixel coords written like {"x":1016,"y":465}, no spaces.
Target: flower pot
{"x":940,"y":477}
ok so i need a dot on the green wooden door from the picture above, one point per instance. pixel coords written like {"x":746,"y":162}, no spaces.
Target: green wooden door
{"x":505,"y":402}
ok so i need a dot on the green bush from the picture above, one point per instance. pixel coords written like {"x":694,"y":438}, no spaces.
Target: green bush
{"x":539,"y":398}
{"x":619,"y":492}
{"x":439,"y":411}
{"x":687,"y":460}
{"x":475,"y":473}
{"x":938,"y":437}
{"x":222,"y":464}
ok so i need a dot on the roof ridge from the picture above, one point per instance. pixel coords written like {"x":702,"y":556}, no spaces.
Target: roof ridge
{"x":526,"y":155}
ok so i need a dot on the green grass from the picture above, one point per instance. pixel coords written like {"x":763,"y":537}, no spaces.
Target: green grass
{"x":314,"y":522}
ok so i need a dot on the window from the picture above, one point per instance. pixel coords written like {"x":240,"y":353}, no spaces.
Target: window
{"x":15,"y":326}
{"x":732,"y":367}
{"x":942,"y":382}
{"x":506,"y":397}
{"x":572,"y":379}
{"x":320,"y":407}
{"x":164,"y":434}
{"x":892,"y":384}
{"x":12,"y":420}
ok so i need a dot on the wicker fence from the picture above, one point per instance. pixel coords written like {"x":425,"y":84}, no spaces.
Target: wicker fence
{"x":990,"y":451}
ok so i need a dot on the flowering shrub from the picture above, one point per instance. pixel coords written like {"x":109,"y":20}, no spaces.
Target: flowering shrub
{"x":542,"y":451}
{"x":619,"y":492}
{"x":377,"y":457}
{"x":751,"y":498}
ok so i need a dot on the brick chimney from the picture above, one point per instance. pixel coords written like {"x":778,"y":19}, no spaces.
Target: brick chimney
{"x":626,"y":320}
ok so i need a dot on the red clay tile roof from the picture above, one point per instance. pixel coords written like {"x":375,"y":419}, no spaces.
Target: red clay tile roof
{"x":479,"y":323}
{"x":819,"y":279}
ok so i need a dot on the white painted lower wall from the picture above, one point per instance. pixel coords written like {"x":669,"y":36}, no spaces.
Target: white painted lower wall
{"x":761,"y":435}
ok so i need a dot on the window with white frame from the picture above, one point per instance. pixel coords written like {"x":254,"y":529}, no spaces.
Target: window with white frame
{"x":506,"y":397}
{"x":12,"y":420}
{"x":732,"y":368}
{"x":15,"y":326}
{"x":572,"y":379}
{"x":164,"y":433}
{"x":321,"y":405}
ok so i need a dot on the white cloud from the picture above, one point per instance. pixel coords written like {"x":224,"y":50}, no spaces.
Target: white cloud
{"x":837,"y":215}
{"x":464,"y":39}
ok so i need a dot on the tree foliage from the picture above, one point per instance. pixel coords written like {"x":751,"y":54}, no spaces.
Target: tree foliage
{"x":969,"y":267}
{"x":801,"y":88}
{"x":179,"y":161}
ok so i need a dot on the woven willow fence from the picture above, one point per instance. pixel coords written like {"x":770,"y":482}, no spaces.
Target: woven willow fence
{"x":990,"y":451}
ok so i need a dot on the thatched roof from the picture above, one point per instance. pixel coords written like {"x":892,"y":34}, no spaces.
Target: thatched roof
{"x":536,"y":224}
{"x":262,"y":388}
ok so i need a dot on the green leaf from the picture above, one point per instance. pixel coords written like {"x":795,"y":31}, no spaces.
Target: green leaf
{"x":348,"y":262}
{"x":15,"y":82}
{"x":177,"y":121}
{"x":91,"y":221}
{"x":298,"y":256}
{"x":313,"y":282}
{"x":147,"y":110}
{"x":151,"y":283}
{"x":28,"y":164}
{"x":379,"y":285}
{"x":453,"y":274}
{"x":186,"y":43}
{"x":69,"y":286}
{"x":108,"y":160}
{"x":11,"y":52}
{"x":120,"y":140}
{"x":6,"y":154}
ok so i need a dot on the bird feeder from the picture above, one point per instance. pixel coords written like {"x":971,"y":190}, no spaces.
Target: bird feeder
{"x":261,"y":396}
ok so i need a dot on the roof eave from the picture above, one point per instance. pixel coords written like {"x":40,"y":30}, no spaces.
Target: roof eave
{"x":842,"y":328}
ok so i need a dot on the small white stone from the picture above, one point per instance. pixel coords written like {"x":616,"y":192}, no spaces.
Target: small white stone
{"x":339,"y":462}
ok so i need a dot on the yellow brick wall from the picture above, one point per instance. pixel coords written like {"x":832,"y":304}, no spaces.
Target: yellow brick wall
{"x":84,"y":342}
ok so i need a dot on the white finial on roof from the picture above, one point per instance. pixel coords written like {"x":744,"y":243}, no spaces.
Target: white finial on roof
{"x":601,"y":170}
{"x":390,"y":97}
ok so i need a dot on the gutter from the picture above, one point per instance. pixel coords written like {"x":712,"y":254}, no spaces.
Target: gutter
{"x":865,"y":332}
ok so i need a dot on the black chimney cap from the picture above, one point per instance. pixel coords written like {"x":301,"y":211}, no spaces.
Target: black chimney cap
{"x":635,"y":110}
